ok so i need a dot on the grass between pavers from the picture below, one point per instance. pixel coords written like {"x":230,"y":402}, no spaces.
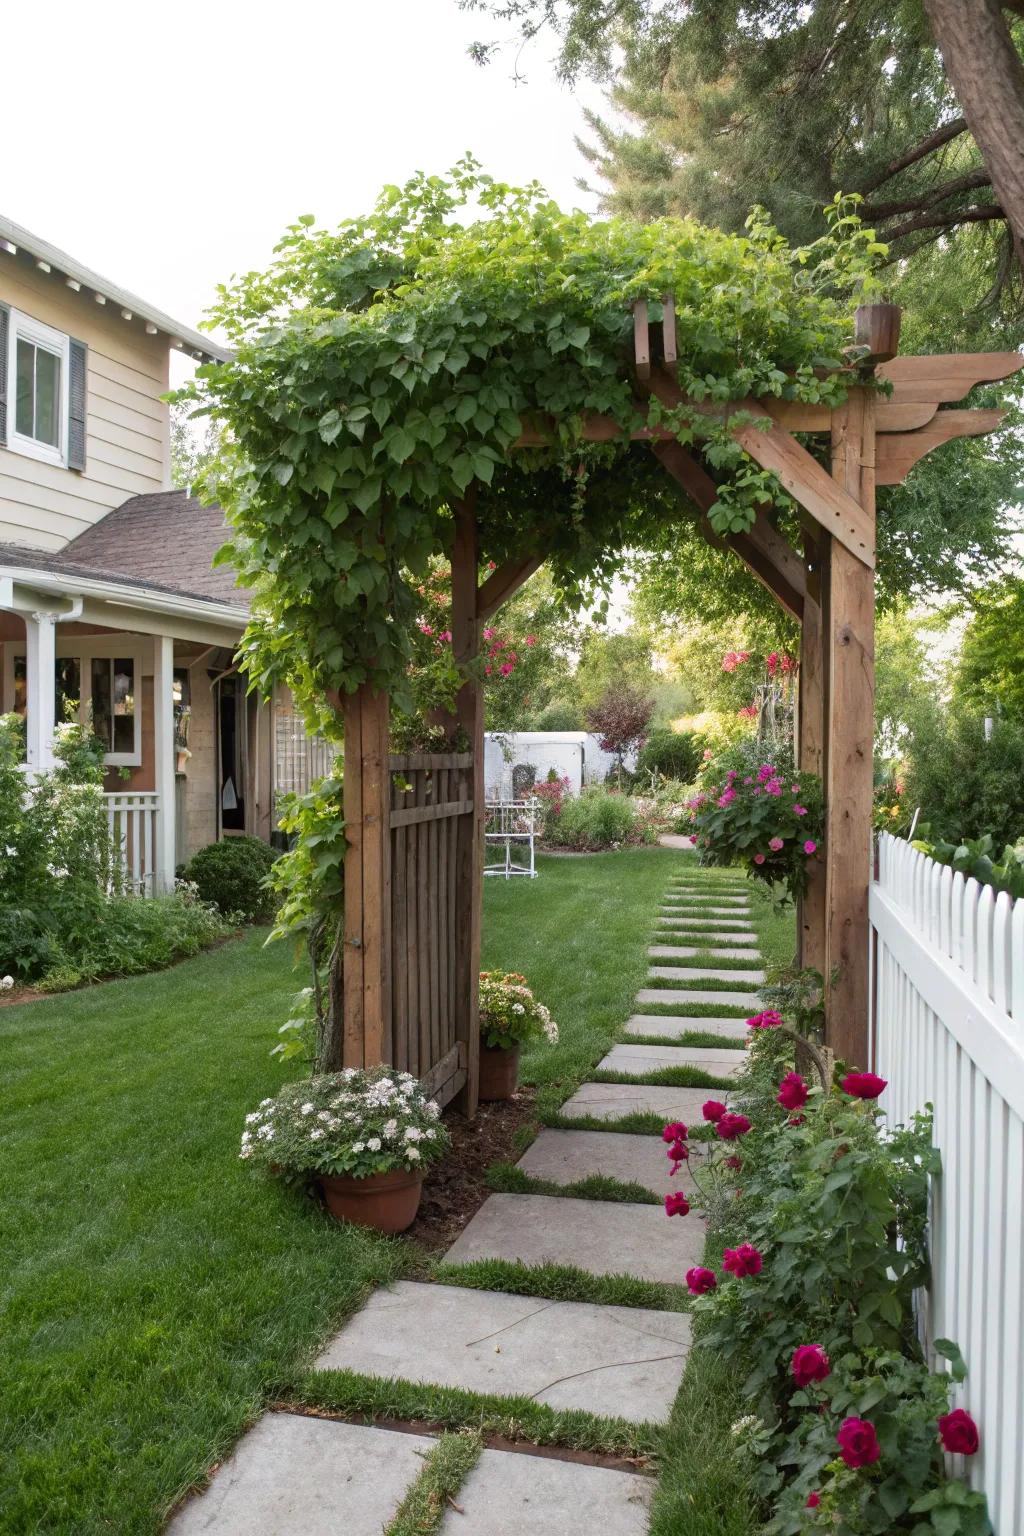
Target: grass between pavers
{"x":696,"y":984}
{"x":422,"y":1511}
{"x":509,"y":1179}
{"x":664,"y":1077}
{"x":695,"y":1037}
{"x":690,"y":938}
{"x":562,"y":1282}
{"x":155,"y":1292}
{"x":705,"y":958}
{"x":699,"y":1010}
{"x":637,"y":1123}
{"x":380,"y":1398}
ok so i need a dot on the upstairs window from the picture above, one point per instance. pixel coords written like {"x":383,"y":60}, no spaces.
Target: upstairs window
{"x":42,"y":391}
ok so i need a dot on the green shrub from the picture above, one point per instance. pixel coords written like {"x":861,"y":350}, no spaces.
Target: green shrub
{"x":134,"y":934}
{"x":559,"y":715}
{"x":26,"y":949}
{"x":672,"y":754}
{"x":233,"y":875}
{"x":968,"y":787}
{"x":594,"y":819}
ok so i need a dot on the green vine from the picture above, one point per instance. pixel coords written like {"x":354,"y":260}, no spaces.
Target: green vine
{"x":382,"y":370}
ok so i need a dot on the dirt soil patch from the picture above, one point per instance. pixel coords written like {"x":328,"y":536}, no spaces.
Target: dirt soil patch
{"x":456,"y":1187}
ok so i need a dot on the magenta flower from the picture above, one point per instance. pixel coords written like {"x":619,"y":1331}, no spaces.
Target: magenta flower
{"x":700,"y":1281}
{"x":775,"y":843}
{"x":674,"y":1131}
{"x":759,"y":858}
{"x":677,"y":1204}
{"x":677,"y":1153}
{"x":769,"y":1019}
{"x":858,"y":1443}
{"x":809,"y":1363}
{"x":810,"y":846}
{"x":959,"y":1433}
{"x":531,"y":639}
{"x":742,"y":1261}
{"x":730,"y":1126}
{"x":793,"y":1091}
{"x":713,"y":1110}
{"x":488,"y":634}
{"x":726,"y":798}
{"x":813,"y":1500}
{"x":863,"y":1085}
{"x":799,"y":810}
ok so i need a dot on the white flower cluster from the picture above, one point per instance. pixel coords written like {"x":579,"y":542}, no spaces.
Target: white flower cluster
{"x":6,"y":983}
{"x":509,"y":1010}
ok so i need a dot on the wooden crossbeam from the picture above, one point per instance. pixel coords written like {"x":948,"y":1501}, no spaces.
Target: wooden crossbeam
{"x":505,"y":583}
{"x":899,"y":452}
{"x":944,"y":377}
{"x":762,"y":548}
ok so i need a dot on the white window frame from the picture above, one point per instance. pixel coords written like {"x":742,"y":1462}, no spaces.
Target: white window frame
{"x":84,"y":649}
{"x":24,"y":327}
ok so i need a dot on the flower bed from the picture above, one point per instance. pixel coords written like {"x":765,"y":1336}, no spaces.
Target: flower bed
{"x":823,"y":1222}
{"x":769,"y":820}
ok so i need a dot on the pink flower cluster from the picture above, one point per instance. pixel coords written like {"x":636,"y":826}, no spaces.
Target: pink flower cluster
{"x":733,"y":659}
{"x":769,"y":1019}
{"x":784,"y":664}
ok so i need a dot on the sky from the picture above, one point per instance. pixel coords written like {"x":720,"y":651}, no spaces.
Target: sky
{"x":175,"y":143}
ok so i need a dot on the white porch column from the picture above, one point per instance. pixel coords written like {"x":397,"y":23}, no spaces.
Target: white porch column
{"x":163,"y":752}
{"x":40,"y":687}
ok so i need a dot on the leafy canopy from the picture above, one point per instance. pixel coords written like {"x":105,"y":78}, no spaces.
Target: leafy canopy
{"x":381,"y":373}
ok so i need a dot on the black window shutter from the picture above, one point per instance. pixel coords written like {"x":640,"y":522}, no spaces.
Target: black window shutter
{"x":76,"y":405}
{"x":5,"y":330}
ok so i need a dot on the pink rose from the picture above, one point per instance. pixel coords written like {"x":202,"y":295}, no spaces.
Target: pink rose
{"x":759,"y":858}
{"x":775,"y":843}
{"x":813,"y":1500}
{"x":674,"y":1131}
{"x":730,"y":1126}
{"x":505,"y":668}
{"x":677,"y":1153}
{"x":799,"y":810}
{"x":810,"y":846}
{"x":677,"y":1204}
{"x":741,"y":1261}
{"x":863,"y":1085}
{"x":445,"y":635}
{"x":809,"y":1363}
{"x":726,"y":798}
{"x":792,"y":1092}
{"x":488,"y":634}
{"x":858,"y":1443}
{"x":700,"y":1281}
{"x":531,"y":639}
{"x":959,"y":1433}
{"x":713,"y":1110}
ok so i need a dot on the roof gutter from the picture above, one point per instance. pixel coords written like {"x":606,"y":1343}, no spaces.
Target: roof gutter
{"x":80,"y":587}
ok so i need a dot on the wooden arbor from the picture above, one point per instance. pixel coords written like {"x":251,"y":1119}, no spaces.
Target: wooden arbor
{"x":413,"y":871}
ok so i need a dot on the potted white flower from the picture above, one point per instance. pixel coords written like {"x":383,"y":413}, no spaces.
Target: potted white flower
{"x":364,"y":1136}
{"x":509,"y":1014}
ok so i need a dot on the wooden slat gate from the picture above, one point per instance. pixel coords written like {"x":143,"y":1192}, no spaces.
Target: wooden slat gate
{"x":431,"y":823}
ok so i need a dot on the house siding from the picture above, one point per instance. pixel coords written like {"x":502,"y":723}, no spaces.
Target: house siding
{"x":127,"y":424}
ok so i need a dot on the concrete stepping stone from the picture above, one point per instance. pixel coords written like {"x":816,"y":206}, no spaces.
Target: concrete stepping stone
{"x":737,"y":911}
{"x":706,"y":973}
{"x":638,"y":1059}
{"x":610,"y":1101}
{"x":672,"y":1027}
{"x":563,"y":1157}
{"x":510,"y":1492}
{"x":723,"y":898}
{"x":601,"y":1236}
{"x":619,"y":1362}
{"x":691,"y":951}
{"x":297,"y":1476}
{"x":688,"y":931}
{"x":674,"y":995}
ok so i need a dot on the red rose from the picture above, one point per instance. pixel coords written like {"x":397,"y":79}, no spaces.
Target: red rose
{"x":701,"y":1280}
{"x":813,"y":1500}
{"x":730,"y":1126}
{"x":734,"y":1162}
{"x":793,"y":1091}
{"x":741,"y":1261}
{"x":858,"y":1443}
{"x":958,"y":1433}
{"x":677,"y":1151}
{"x":809,"y":1363}
{"x":713,"y":1110}
{"x":677,"y":1204}
{"x":863,"y":1085}
{"x":796,"y":1120}
{"x":674,"y":1131}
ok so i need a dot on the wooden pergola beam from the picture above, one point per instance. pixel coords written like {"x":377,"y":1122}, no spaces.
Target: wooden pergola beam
{"x":945,"y":377}
{"x":897,"y":453}
{"x":505,"y":583}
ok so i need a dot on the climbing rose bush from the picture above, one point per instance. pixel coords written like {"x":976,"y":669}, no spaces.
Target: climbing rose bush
{"x":351,"y":1122}
{"x":768,"y":820}
{"x":509,"y":1012}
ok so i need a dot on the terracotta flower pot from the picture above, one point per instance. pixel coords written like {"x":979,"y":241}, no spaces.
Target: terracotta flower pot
{"x":388,"y":1202}
{"x":499,"y":1071}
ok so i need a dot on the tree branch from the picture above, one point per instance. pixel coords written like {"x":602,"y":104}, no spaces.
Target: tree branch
{"x":950,"y":130}
{"x":940,"y":221}
{"x":928,"y":199}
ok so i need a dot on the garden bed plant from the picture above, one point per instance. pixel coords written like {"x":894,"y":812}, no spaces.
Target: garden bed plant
{"x":823,"y":1221}
{"x":768,"y":818}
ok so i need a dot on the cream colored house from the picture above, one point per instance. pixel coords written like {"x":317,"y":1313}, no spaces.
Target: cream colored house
{"x":109,"y":606}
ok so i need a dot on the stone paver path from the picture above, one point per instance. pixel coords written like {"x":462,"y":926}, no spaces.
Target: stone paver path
{"x":298,"y":1476}
{"x":567,"y":1354}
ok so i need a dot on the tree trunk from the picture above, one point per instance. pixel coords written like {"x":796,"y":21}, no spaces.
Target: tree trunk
{"x":987,"y":75}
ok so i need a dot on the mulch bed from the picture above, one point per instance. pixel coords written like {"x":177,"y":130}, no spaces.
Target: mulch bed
{"x":456,"y":1187}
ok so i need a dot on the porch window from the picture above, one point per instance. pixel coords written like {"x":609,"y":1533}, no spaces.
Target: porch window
{"x":67,"y":687}
{"x":37,"y":383}
{"x":114,"y":717}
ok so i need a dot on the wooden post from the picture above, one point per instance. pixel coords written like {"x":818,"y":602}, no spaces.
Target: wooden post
{"x":470,"y":845}
{"x":811,"y":734}
{"x":367,"y":937}
{"x":850,"y":643}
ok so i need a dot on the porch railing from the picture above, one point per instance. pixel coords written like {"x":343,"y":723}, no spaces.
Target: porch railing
{"x":131,"y":818}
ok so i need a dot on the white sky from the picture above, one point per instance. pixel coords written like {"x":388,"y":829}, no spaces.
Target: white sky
{"x":168,"y":146}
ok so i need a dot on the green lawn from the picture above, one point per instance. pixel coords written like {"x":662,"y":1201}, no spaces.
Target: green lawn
{"x":154,"y":1294}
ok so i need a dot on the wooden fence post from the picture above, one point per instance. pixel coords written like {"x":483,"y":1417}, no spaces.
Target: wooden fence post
{"x":367,"y":934}
{"x":850,"y":643}
{"x":470,"y":846}
{"x":812,"y":727}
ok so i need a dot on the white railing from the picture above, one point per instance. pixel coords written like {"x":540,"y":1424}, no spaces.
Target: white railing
{"x":131,"y":818}
{"x":948,"y":1030}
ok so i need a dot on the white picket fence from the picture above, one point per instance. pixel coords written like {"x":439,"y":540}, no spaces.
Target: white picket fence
{"x":948,"y":1030}
{"x":131,"y":819}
